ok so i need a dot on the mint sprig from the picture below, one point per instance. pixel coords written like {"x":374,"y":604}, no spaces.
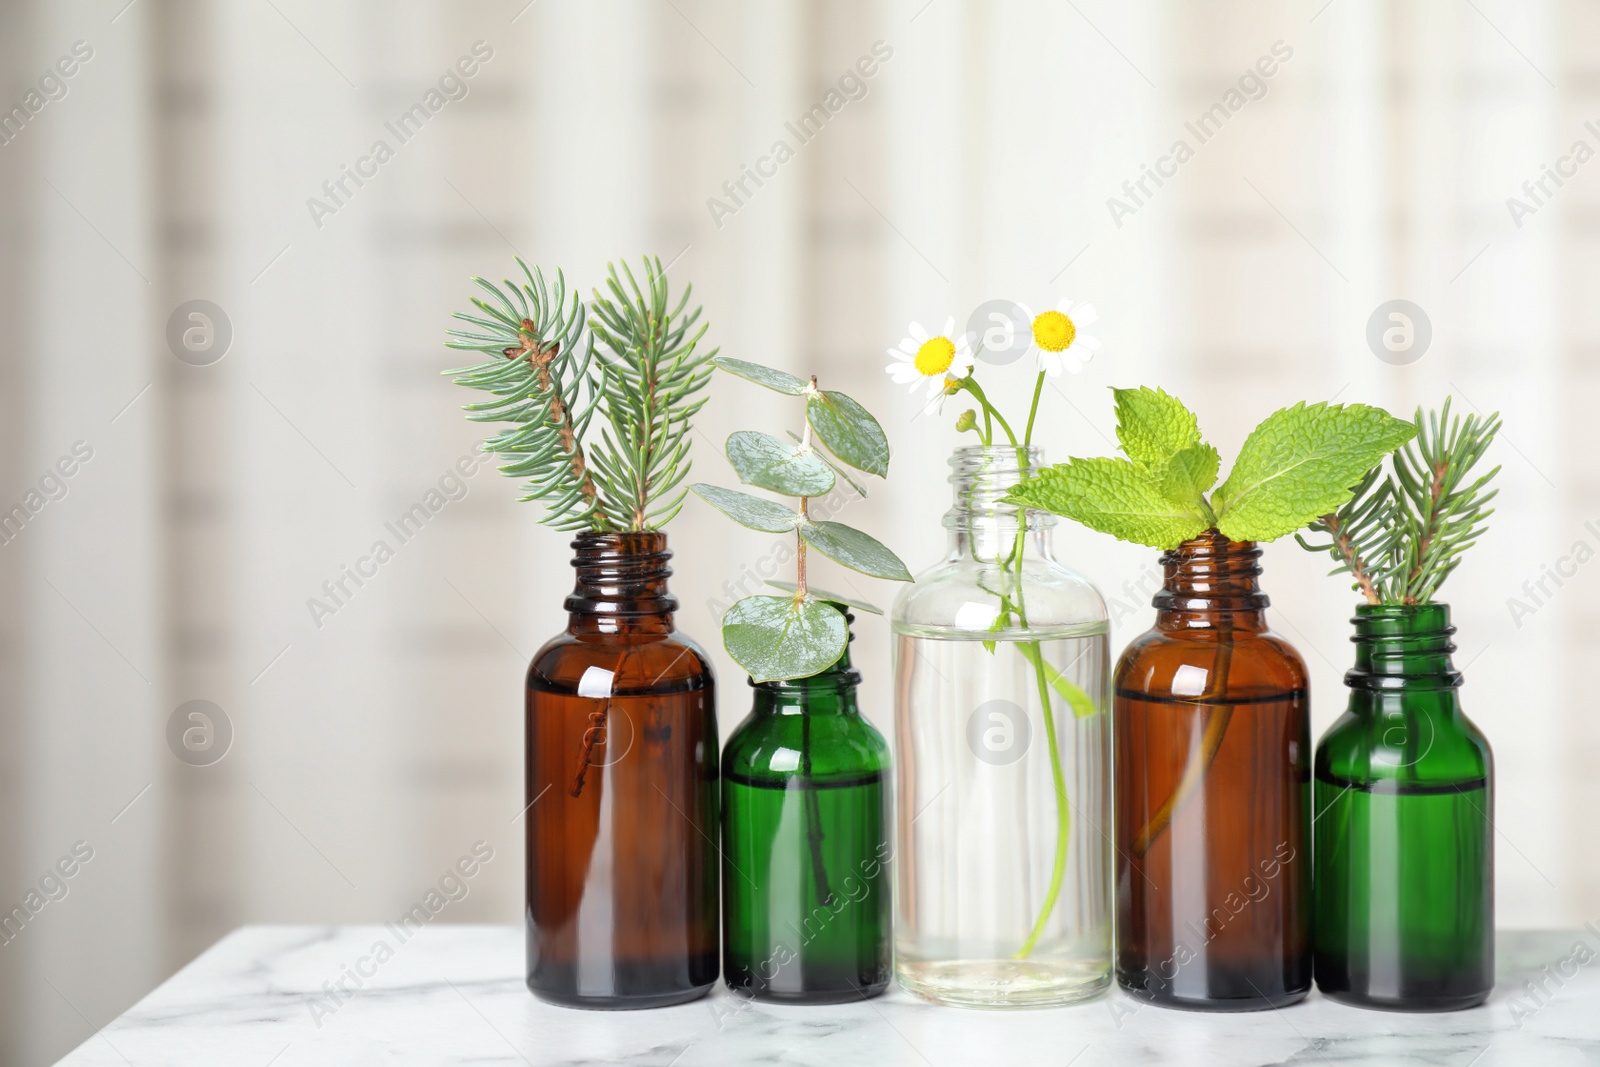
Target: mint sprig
{"x":1300,"y":463}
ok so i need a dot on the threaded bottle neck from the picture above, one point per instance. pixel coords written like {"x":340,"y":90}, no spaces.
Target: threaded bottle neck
{"x":1403,"y":646}
{"x":1209,"y":576}
{"x":981,"y":524}
{"x":621,"y":581}
{"x":982,"y":475}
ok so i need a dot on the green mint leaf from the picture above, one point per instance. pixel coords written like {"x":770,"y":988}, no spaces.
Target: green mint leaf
{"x":1301,"y":463}
{"x":768,"y":463}
{"x":746,"y":510}
{"x":849,"y":431}
{"x":1190,"y":473}
{"x":856,"y":550}
{"x":1114,"y":496}
{"x":827,"y":597}
{"x":1153,"y":426}
{"x":777,"y":638}
{"x":782,"y":381}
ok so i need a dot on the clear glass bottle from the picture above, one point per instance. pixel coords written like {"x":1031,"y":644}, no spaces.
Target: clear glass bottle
{"x":621,"y":791}
{"x":1404,"y":837}
{"x":1213,"y":793}
{"x":1001,"y":759}
{"x":805,"y":844}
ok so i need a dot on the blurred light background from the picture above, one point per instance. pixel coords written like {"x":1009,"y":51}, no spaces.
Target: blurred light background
{"x":178,"y":162}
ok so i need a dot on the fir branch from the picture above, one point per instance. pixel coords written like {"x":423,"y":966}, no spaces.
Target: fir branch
{"x":650,"y":375}
{"x":539,"y":373}
{"x":1444,"y":519}
{"x":1400,"y":537}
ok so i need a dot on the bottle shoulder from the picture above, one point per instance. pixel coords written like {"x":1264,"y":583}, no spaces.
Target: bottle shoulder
{"x":771,"y":747}
{"x":590,"y":664}
{"x":963,"y":594}
{"x":1182,"y":662}
{"x":1417,"y":736}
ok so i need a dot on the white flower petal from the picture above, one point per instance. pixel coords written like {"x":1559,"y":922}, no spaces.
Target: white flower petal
{"x":918,"y":334}
{"x":950,"y":326}
{"x":1091,"y":343}
{"x":903,"y":373}
{"x":1086,"y":315}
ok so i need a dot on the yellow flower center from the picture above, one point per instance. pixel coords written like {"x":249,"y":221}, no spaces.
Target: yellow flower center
{"x":1054,"y":332}
{"x":935,"y":356}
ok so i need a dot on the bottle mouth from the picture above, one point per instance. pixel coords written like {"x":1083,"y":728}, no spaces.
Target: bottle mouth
{"x":1210,"y":572}
{"x":983,"y":474}
{"x":621,"y":573}
{"x":834,"y":677}
{"x":1399,"y":646}
{"x":1377,"y":621}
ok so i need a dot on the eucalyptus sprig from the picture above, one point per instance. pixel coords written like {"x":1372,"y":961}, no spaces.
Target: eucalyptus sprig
{"x":1298,"y":464}
{"x":1404,"y":531}
{"x":549,"y":381}
{"x":778,"y":638}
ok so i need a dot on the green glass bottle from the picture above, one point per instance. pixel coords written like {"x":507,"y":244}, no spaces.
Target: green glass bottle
{"x":1404,"y":846}
{"x":805,"y":845}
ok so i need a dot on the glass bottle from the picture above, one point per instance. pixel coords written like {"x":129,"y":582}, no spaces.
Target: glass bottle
{"x":805,"y":844}
{"x":1212,"y":765}
{"x":1404,"y":838}
{"x":1002,"y":759}
{"x":621,"y":791}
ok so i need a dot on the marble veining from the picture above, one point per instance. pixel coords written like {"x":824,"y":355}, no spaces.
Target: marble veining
{"x":294,"y":996}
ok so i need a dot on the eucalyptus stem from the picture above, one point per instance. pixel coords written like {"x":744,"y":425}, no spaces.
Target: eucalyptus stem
{"x":811,"y":803}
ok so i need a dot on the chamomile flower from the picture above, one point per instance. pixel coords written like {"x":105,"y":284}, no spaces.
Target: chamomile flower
{"x":936,"y":359}
{"x":1058,"y":338}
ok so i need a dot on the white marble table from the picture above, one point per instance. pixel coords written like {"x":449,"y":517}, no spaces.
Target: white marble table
{"x":454,"y":994}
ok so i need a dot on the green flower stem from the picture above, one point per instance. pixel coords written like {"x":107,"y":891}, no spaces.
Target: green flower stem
{"x":1015,"y":605}
{"x":970,"y":384}
{"x":1033,"y":654}
{"x":1038,"y":387}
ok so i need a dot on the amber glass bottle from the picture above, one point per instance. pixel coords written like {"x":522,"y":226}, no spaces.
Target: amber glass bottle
{"x":1212,"y":783}
{"x":622,"y":791}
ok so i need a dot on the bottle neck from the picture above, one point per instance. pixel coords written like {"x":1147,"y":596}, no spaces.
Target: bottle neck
{"x":830,"y":692}
{"x":621,"y":584}
{"x":1403,"y":647}
{"x":1211,"y":583}
{"x":982,"y":525}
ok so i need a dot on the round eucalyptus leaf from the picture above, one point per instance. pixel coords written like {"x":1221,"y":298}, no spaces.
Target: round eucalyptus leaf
{"x":837,"y":468}
{"x":777,"y":638}
{"x":857,"y":550}
{"x":782,"y":381}
{"x":831,"y":598}
{"x":746,"y":510}
{"x":849,"y":431}
{"x":768,"y":463}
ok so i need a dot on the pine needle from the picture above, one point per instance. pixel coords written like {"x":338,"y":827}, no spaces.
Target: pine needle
{"x":1402,"y":534}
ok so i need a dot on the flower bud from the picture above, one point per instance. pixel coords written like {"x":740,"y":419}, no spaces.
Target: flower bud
{"x":967,"y":420}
